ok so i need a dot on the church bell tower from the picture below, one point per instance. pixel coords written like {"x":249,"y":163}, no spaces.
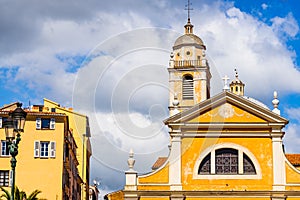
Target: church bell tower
{"x":189,"y":74}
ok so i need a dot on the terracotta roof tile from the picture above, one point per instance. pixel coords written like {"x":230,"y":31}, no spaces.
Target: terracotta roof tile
{"x":159,"y":162}
{"x":294,"y":159}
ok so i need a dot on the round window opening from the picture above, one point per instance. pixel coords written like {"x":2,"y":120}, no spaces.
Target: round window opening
{"x":188,"y":53}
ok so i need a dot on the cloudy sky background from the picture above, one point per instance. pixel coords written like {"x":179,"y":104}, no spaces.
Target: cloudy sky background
{"x":109,"y":59}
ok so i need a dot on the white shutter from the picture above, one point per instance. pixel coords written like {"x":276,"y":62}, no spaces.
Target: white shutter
{"x":10,"y":178}
{"x":0,"y":122}
{"x":36,"y":149}
{"x":38,"y":123}
{"x":52,"y":123}
{"x":52,"y":149}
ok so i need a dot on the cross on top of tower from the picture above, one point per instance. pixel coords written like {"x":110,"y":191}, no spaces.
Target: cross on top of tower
{"x":188,"y":8}
{"x":188,"y":27}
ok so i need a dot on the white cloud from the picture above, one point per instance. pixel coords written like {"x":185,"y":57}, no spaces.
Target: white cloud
{"x":285,"y":25}
{"x":292,"y":138}
{"x":294,"y":113}
{"x":264,"y":6}
{"x":112,"y":140}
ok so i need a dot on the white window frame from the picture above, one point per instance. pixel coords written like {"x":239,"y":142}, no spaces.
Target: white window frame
{"x":4,"y":155}
{"x":44,"y":150}
{"x":5,"y":179}
{"x":240,"y":175}
{"x":1,"y":122}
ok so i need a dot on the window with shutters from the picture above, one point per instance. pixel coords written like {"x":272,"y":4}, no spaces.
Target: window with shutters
{"x":4,"y":178}
{"x":4,"y":148}
{"x":187,"y":87}
{"x":44,"y":149}
{"x":45,"y":123}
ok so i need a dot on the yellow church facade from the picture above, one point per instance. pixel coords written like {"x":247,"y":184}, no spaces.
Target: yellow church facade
{"x":226,"y":146}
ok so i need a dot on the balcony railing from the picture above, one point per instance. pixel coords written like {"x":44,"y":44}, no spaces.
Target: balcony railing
{"x":188,"y":63}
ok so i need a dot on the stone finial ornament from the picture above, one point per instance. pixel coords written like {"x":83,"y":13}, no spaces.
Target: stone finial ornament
{"x":275,"y":103}
{"x":131,"y":160}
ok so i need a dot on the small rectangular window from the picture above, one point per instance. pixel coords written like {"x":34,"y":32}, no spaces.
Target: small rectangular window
{"x":4,"y":148}
{"x":46,"y":123}
{"x":44,"y":149}
{"x":4,"y":178}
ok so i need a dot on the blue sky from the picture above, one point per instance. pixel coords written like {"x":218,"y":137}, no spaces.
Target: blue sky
{"x":108,"y":59}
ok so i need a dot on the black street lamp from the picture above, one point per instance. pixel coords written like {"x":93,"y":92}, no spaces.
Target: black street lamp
{"x":14,"y":126}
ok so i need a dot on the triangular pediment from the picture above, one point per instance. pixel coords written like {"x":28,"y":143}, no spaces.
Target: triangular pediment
{"x":227,"y":107}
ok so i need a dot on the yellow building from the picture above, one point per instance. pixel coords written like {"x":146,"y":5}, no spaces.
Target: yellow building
{"x":51,"y":157}
{"x":79,"y":125}
{"x":225,"y":146}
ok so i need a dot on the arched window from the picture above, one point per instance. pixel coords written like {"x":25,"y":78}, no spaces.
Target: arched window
{"x":187,"y":87}
{"x":248,"y":165}
{"x":226,"y":161}
{"x":205,"y":165}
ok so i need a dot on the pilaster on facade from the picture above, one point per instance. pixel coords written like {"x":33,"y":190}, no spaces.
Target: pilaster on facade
{"x":175,"y":164}
{"x":279,"y":173}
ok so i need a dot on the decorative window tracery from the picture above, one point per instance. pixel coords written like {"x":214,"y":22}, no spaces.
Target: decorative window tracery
{"x":248,"y":165}
{"x":205,"y":165}
{"x":226,"y":162}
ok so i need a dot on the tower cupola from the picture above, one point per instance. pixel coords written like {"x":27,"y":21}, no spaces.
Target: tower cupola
{"x":236,"y":85}
{"x":189,"y":27}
